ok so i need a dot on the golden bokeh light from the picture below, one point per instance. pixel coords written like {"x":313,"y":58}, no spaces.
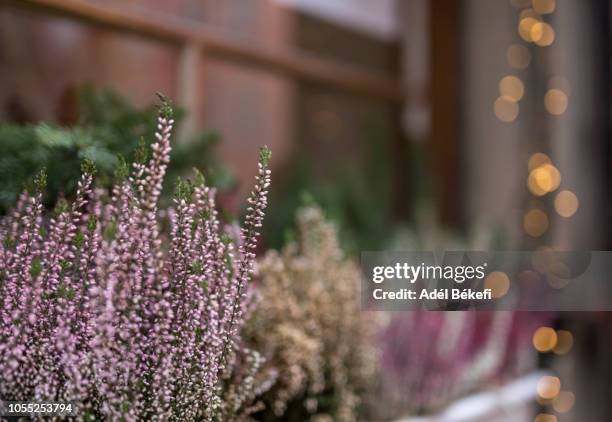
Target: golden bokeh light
{"x":518,"y":56}
{"x":533,"y":186}
{"x":535,"y":222}
{"x":565,"y":342}
{"x":525,"y":26}
{"x":537,"y":31}
{"x":498,"y":282}
{"x":545,"y":417}
{"x":544,"y":7}
{"x":506,"y":109}
{"x":543,"y":179}
{"x":566,"y":203}
{"x":544,"y":339}
{"x":511,"y":87}
{"x":553,"y":177}
{"x":564,"y":402}
{"x":549,"y":387}
{"x":542,"y":34}
{"x":538,"y":159}
{"x":555,"y":101}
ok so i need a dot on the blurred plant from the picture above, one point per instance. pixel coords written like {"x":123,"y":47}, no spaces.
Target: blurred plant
{"x":429,"y":359}
{"x":105,"y":127}
{"x":354,"y":188}
{"x":310,"y":327}
{"x":102,"y":310}
{"x":432,"y":358}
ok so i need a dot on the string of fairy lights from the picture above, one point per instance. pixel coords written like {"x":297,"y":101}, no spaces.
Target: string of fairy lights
{"x":543,"y":177}
{"x":549,"y":387}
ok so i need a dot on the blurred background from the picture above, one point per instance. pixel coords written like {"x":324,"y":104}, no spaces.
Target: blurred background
{"x":417,"y":124}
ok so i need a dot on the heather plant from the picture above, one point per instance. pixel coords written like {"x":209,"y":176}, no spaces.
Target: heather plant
{"x":102,"y":308}
{"x":309,"y":325}
{"x":430,"y":358}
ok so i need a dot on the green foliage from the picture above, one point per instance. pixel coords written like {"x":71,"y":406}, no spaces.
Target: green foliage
{"x":358,"y":202}
{"x":89,"y":167}
{"x":61,"y":206}
{"x":141,"y":154}
{"x":108,"y":129}
{"x":184,"y":189}
{"x":122,"y":170}
{"x":166,"y":109}
{"x":38,"y":183}
{"x":264,"y":155}
{"x":79,"y":238}
{"x":200,"y":180}
{"x":196,"y":268}
{"x":36,"y":267}
{"x":111,"y":231}
{"x":92,"y":222}
{"x":62,"y":292}
{"x":8,"y":242}
{"x":352,"y":178}
{"x":40,"y":180}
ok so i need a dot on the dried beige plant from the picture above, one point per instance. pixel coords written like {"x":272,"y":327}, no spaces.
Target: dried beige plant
{"x":309,"y":326}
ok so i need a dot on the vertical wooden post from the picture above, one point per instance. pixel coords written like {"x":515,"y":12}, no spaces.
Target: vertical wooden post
{"x":445,"y":82}
{"x":414,"y":115}
{"x":189,"y":87}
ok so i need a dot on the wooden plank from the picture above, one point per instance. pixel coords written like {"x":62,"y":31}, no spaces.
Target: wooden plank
{"x":220,"y":43}
{"x":190,"y":88}
{"x":445,"y":92}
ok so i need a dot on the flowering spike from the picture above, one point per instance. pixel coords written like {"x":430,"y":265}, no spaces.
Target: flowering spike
{"x":165,"y":107}
{"x":123,"y":169}
{"x":88,"y":167}
{"x":246,"y":252}
{"x":96,"y":310}
{"x":40,"y":181}
{"x":200,"y":180}
{"x":184,"y":189}
{"x":61,"y":206}
{"x":264,"y":155}
{"x":141,"y":155}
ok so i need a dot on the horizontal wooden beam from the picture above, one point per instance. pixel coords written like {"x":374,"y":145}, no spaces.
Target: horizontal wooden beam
{"x":220,"y":43}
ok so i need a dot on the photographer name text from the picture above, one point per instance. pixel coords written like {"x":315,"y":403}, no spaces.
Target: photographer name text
{"x":435,"y":294}
{"x":409,"y":274}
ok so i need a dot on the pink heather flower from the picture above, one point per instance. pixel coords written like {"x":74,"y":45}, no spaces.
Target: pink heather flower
{"x":462,"y":352}
{"x":102,"y":309}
